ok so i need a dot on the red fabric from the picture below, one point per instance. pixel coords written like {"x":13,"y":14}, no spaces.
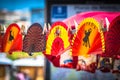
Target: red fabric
{"x":115,"y":71}
{"x":98,"y":15}
{"x":53,"y":59}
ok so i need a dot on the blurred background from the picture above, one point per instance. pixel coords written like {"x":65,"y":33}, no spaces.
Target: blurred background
{"x":27,"y":12}
{"x":22,"y":12}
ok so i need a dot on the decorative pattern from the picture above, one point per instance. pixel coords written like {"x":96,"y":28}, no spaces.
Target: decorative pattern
{"x":58,"y":39}
{"x":89,"y":38}
{"x":34,"y":41}
{"x":113,"y":38}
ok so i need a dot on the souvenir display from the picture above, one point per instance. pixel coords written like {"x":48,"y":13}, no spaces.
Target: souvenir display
{"x":85,"y":41}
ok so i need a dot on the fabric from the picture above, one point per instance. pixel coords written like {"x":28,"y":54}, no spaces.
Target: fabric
{"x":98,"y":15}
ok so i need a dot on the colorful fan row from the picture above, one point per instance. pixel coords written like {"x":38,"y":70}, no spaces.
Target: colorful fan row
{"x":91,"y":44}
{"x":12,"y":40}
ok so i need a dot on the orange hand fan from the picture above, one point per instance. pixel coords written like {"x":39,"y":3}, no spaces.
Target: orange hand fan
{"x":12,"y":40}
{"x":87,"y":42}
{"x":89,"y":38}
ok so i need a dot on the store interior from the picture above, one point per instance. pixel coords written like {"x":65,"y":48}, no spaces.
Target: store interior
{"x":31,"y":48}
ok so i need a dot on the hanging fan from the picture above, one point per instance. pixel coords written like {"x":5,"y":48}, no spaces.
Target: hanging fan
{"x":113,"y":38}
{"x":34,"y":41}
{"x":89,"y":38}
{"x":58,"y":44}
{"x":87,"y":42}
{"x":58,"y":39}
{"x":12,"y":40}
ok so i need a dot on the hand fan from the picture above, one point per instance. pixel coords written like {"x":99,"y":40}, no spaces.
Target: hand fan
{"x":34,"y":41}
{"x":12,"y":40}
